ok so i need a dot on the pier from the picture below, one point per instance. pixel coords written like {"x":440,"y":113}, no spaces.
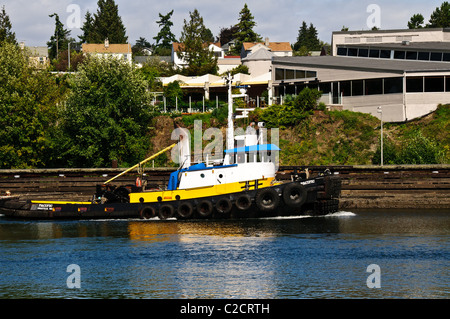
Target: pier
{"x":363,"y":186}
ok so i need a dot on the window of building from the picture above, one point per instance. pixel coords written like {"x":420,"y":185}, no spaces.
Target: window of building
{"x":374,"y":53}
{"x":352,"y":52}
{"x":399,"y":55}
{"x":411,"y":55}
{"x":311,"y":74}
{"x":385,"y":54}
{"x":364,"y":53}
{"x":299,"y":74}
{"x":289,"y":74}
{"x":325,"y":87}
{"x":446,"y":57}
{"x":374,"y":86}
{"x":393,"y":85}
{"x":279,"y":74}
{"x":434,"y":84}
{"x":447,"y":83}
{"x":424,"y":56}
{"x":346,"y":88}
{"x":357,"y":87}
{"x":436,"y":56}
{"x":414,"y":84}
{"x":342,"y":51}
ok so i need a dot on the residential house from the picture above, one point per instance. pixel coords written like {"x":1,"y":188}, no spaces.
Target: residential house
{"x":119,"y":51}
{"x":282,"y":49}
{"x":179,"y":47}
{"x":37,"y":56}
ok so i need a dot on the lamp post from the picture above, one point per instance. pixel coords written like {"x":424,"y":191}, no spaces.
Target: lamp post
{"x":379,"y":110}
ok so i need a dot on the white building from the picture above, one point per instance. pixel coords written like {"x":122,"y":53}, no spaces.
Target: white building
{"x":406,"y":72}
{"x":179,"y":47}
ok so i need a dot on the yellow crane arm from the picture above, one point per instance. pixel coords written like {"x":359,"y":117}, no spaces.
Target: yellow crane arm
{"x":143,"y":162}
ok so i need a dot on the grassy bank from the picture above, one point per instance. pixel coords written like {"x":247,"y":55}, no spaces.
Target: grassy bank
{"x":352,"y":138}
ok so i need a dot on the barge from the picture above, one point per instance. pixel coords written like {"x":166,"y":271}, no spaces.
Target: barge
{"x":242,"y":184}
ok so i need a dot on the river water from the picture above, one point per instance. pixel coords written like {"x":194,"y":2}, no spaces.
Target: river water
{"x":357,"y":254}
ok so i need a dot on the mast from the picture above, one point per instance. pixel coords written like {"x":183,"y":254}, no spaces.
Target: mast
{"x":230,"y":129}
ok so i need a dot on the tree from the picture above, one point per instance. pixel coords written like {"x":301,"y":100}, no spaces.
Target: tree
{"x":28,"y":111}
{"x":227,"y":34}
{"x":245,"y":32}
{"x":165,"y":37}
{"x":307,"y":40}
{"x":87,"y":28}
{"x":108,"y":24}
{"x":59,"y":41}
{"x":107,"y":115}
{"x":6,"y":33}
{"x":195,"y":51}
{"x":440,"y":18}
{"x":416,"y":21}
{"x":141,"y":46}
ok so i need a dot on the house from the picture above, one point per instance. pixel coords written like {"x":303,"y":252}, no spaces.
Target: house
{"x":179,"y":47}
{"x":119,"y":51}
{"x":277,"y":48}
{"x":37,"y":55}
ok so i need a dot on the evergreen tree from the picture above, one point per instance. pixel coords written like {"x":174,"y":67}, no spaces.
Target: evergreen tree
{"x":165,"y":37}
{"x":5,"y":28}
{"x":87,"y":28}
{"x":195,"y":52}
{"x":416,"y":21}
{"x":59,"y":41}
{"x":245,"y":32}
{"x":440,"y":18}
{"x":307,"y":40}
{"x":108,"y":24}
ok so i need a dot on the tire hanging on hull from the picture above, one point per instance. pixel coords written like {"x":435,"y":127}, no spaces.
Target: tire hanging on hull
{"x":267,"y":199}
{"x":294,"y":195}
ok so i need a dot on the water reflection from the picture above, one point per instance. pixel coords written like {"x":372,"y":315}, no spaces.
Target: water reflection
{"x":301,"y":257}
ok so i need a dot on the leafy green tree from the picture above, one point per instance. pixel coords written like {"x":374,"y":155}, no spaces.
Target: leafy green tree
{"x":59,"y":41}
{"x":108,"y":24}
{"x":195,"y":51}
{"x":28,"y":111}
{"x":245,"y":32}
{"x":107,"y":115}
{"x":6,"y":33}
{"x":416,"y":21}
{"x":165,"y":37}
{"x":173,"y":91}
{"x":440,"y":18}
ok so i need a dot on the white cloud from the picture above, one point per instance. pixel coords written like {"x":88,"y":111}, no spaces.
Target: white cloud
{"x":277,"y":19}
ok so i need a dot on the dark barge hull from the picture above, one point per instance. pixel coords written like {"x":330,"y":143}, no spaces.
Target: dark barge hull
{"x":315,"y":196}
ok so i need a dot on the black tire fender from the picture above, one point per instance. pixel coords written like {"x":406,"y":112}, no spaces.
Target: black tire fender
{"x":294,"y":195}
{"x":205,"y":208}
{"x":166,"y":211}
{"x":243,"y":202}
{"x":224,"y":205}
{"x":267,"y":199}
{"x":185,"y":210}
{"x":147,"y":212}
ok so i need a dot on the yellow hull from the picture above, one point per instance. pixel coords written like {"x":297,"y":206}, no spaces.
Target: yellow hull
{"x":193,"y":193}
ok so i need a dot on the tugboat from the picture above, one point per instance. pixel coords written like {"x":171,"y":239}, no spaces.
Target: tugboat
{"x":241,"y":185}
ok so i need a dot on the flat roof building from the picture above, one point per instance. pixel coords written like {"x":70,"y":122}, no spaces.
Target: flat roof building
{"x":404,"y":71}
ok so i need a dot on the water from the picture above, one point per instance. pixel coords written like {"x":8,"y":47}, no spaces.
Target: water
{"x":279,"y":258}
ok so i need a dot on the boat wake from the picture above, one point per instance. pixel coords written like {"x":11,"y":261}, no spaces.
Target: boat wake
{"x":336,"y":214}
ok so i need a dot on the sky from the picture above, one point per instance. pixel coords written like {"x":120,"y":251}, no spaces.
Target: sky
{"x":279,"y":20}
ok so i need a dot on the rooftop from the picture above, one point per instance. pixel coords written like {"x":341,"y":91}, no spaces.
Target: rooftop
{"x":111,"y":48}
{"x":273,"y":46}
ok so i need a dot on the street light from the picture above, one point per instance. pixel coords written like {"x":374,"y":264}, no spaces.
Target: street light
{"x":379,"y":110}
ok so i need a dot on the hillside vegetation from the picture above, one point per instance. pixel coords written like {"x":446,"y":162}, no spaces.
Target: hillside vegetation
{"x":323,"y":137}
